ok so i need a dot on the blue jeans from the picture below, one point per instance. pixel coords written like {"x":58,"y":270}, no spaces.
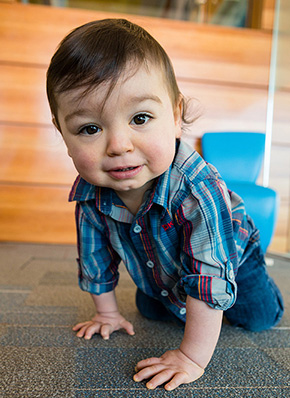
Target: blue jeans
{"x":259,"y":303}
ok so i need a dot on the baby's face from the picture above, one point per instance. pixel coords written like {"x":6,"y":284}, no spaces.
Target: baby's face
{"x":128,"y":142}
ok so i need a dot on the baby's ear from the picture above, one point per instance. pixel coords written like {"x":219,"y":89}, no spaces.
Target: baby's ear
{"x":178,"y":112}
{"x":55,"y":123}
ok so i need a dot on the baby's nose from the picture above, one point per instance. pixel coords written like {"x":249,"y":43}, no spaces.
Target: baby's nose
{"x":118,"y":144}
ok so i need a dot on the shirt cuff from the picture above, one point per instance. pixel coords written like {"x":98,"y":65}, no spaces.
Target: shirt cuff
{"x":97,"y":288}
{"x":216,"y":292}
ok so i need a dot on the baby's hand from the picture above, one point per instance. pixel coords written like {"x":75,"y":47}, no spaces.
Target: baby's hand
{"x":104,"y":324}
{"x":173,"y":366}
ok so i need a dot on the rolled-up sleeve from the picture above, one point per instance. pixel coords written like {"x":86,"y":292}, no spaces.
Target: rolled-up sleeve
{"x":208,"y":251}
{"x":98,"y":262}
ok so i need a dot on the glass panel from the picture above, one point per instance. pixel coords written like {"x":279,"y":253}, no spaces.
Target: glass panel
{"x":277,"y":159}
{"x":238,"y":13}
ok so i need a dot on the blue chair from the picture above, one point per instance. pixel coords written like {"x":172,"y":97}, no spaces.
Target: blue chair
{"x":238,"y":157}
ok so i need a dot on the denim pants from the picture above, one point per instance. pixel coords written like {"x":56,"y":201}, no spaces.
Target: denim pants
{"x":259,"y":303}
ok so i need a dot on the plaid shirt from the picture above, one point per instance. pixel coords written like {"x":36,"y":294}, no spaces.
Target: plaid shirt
{"x":189,"y":237}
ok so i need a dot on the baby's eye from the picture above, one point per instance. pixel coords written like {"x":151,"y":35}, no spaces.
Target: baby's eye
{"x":90,"y":129}
{"x":141,"y":118}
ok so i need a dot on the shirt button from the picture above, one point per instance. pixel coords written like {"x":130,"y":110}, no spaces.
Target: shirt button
{"x":231,"y":275}
{"x":137,"y":229}
{"x":150,"y":264}
{"x":182,"y":311}
{"x":164,"y":293}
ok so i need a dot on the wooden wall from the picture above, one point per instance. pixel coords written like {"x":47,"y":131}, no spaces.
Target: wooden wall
{"x":224,"y":70}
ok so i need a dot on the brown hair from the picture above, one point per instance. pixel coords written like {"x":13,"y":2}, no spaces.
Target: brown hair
{"x":98,"y":52}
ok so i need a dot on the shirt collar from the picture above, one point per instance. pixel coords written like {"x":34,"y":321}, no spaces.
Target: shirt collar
{"x":83,"y":191}
{"x":105,"y":198}
{"x":161,"y":189}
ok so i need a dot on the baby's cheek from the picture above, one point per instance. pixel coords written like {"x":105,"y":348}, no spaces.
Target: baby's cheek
{"x":84,"y":163}
{"x":162,"y":155}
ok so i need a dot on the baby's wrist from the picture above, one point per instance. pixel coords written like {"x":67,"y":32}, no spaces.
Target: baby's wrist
{"x":190,"y":357}
{"x":108,"y":312}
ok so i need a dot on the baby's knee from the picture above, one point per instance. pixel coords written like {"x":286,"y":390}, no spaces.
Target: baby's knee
{"x":254,"y":325}
{"x":257,"y":322}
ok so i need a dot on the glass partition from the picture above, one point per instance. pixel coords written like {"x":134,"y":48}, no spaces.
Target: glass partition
{"x":277,"y":156}
{"x":238,"y":13}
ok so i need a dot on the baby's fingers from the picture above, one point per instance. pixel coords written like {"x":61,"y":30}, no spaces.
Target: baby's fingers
{"x":176,"y":381}
{"x":148,"y":372}
{"x":126,"y":325}
{"x":147,"y":362}
{"x":106,"y":331}
{"x":91,"y":330}
{"x":161,"y":378}
{"x":88,"y":330}
{"x":79,"y":326}
{"x":183,"y":378}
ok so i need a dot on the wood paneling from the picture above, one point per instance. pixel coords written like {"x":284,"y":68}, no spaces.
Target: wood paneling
{"x":22,"y":98}
{"x":32,"y":213}
{"x":224,"y":70}
{"x":34,"y":155}
{"x":198,"y":51}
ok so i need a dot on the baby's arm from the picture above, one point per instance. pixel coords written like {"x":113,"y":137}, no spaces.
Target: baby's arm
{"x":187,"y":363}
{"x":107,"y":319}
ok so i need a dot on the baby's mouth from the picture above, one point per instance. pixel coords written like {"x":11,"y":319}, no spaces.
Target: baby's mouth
{"x":126,"y":168}
{"x":125,"y":172}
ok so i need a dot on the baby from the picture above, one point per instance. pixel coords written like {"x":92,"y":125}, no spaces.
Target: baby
{"x":145,"y":197}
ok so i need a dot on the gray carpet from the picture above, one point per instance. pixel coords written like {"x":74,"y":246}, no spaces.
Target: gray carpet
{"x":40,"y":356}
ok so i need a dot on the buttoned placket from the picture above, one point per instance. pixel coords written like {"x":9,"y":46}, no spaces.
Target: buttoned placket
{"x":136,"y":237}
